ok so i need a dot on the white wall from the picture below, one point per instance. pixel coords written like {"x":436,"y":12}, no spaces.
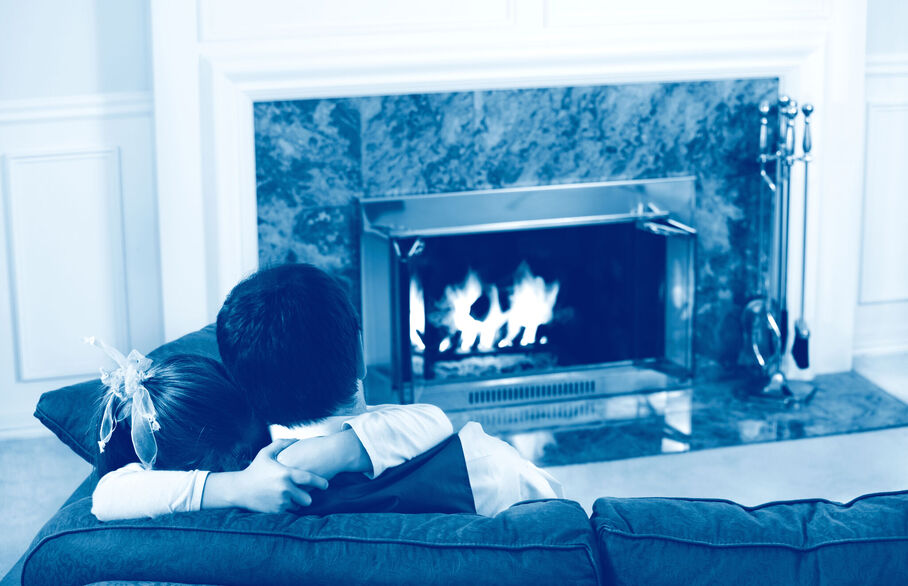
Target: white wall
{"x":887,"y":21}
{"x":78,"y":217}
{"x":881,"y":319}
{"x":54,"y":48}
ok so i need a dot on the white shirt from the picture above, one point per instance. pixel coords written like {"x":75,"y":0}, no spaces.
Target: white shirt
{"x":391,"y":435}
{"x":499,"y":475}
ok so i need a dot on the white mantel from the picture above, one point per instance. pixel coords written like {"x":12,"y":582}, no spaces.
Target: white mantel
{"x":214,"y":58}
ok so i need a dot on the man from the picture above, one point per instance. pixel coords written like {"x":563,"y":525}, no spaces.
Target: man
{"x":291,"y":338}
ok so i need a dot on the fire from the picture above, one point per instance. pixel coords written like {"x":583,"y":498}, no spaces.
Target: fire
{"x":491,"y":325}
{"x":417,"y":316}
{"x":458,"y":300}
{"x":532,"y":303}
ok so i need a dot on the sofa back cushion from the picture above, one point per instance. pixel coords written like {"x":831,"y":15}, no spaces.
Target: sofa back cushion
{"x":70,"y":412}
{"x":541,"y":542}
{"x":705,"y":541}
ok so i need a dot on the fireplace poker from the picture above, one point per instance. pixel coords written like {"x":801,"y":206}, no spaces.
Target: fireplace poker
{"x":787,"y":159}
{"x":800,"y":349}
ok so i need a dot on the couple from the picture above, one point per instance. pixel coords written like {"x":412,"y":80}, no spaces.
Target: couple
{"x":283,"y":417}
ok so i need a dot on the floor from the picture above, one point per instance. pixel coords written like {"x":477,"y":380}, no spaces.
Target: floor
{"x":702,"y":417}
{"x":36,"y":475}
{"x":838,"y":467}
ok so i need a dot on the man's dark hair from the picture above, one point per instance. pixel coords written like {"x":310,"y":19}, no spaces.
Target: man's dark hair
{"x":289,"y":335}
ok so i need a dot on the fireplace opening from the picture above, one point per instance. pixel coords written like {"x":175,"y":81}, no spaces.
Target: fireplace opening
{"x":511,"y":302}
{"x":529,"y":295}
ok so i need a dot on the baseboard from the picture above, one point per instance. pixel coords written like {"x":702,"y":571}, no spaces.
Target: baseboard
{"x":881,"y":328}
{"x":882,"y":350}
{"x":23,"y":431}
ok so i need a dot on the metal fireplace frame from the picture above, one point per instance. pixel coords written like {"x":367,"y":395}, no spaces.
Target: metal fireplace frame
{"x":391,"y":232}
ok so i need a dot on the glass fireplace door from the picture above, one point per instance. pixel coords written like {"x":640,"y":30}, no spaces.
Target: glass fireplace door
{"x":531,"y":305}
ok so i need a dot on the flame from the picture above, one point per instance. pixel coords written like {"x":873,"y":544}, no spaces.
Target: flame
{"x":458,"y":300}
{"x":492,"y":323}
{"x":532,"y":302}
{"x":417,"y":316}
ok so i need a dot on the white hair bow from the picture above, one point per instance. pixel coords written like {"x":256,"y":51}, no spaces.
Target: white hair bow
{"x":126,"y":396}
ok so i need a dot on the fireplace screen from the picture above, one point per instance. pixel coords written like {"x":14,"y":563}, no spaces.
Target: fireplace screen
{"x":528,"y":295}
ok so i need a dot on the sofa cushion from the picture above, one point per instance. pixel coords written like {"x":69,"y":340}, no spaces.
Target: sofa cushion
{"x":70,"y":412}
{"x":705,"y":541}
{"x":539,"y":542}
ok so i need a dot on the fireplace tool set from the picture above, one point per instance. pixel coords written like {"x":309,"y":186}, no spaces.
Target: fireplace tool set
{"x":766,"y":317}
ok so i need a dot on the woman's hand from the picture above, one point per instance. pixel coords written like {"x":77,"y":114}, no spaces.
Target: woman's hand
{"x":265,"y":486}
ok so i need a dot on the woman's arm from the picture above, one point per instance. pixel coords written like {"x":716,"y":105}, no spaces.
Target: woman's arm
{"x":384,"y":437}
{"x":264,"y":486}
{"x":133,"y":492}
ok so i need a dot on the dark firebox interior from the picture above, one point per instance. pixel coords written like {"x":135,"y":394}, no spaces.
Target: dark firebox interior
{"x":610,"y":305}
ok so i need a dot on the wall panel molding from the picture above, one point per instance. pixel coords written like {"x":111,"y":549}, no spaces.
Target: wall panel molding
{"x":269,"y":20}
{"x":885,"y":242}
{"x":66,"y":258}
{"x":881,"y":318}
{"x":887,"y":65}
{"x":582,"y":13}
{"x":76,"y":107}
{"x":104,"y":144}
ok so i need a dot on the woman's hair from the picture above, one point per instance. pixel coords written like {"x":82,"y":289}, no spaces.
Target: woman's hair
{"x":205,"y":421}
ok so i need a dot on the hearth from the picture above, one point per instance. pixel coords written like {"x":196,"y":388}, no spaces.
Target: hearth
{"x":528,"y":295}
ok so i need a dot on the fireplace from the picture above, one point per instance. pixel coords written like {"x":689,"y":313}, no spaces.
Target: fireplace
{"x":321,"y":163}
{"x":528,"y":295}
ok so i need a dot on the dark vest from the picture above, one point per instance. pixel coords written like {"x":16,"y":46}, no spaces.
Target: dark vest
{"x":433,"y":482}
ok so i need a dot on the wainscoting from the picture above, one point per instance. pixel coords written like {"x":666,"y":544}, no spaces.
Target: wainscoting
{"x":881,"y":319}
{"x":78,"y":241}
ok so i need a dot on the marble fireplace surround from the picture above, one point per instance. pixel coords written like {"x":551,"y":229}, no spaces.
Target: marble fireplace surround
{"x":315,"y":158}
{"x":212,"y":65}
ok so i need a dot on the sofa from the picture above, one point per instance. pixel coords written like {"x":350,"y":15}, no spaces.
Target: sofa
{"x":649,"y":541}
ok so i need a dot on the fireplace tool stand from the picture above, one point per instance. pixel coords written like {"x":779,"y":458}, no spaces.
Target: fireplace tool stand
{"x":766,"y":318}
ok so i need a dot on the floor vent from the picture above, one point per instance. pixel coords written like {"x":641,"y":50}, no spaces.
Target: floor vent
{"x":540,"y":392}
{"x":541,"y":415}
